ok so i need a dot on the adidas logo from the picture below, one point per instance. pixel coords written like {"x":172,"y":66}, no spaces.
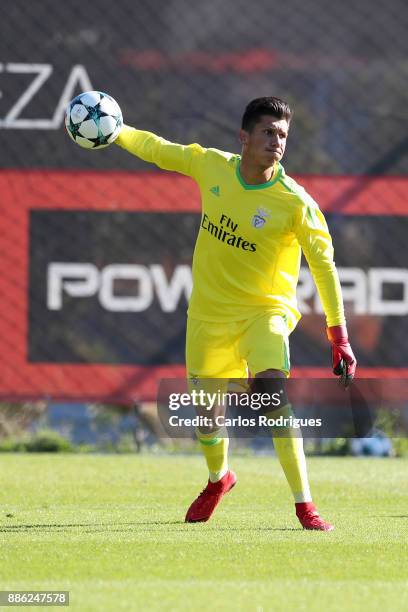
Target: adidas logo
{"x":215,"y":190}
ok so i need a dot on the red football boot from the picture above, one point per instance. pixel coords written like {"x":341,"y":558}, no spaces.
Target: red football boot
{"x":310,"y":519}
{"x":202,"y":508}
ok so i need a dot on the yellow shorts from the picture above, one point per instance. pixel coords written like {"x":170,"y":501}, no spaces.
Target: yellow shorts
{"x":235,"y":349}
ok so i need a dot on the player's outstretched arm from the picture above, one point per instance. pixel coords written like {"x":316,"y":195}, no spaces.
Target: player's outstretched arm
{"x":93,"y":120}
{"x":163,"y":153}
{"x":314,"y":238}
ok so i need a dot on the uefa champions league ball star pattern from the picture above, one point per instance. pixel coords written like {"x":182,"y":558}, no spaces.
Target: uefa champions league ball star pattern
{"x":93,"y":120}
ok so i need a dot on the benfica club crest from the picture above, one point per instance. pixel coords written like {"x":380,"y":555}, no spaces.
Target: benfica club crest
{"x":260,"y":218}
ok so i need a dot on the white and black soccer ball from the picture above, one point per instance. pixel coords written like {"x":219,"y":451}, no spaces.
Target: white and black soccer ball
{"x":93,"y":120}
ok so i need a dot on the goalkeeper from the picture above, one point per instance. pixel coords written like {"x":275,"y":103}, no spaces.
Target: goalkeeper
{"x":255,"y":222}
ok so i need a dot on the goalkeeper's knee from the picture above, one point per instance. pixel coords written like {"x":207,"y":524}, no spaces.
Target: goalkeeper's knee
{"x":273,"y":388}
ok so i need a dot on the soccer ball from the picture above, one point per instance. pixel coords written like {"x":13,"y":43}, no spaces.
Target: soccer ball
{"x":93,"y":120}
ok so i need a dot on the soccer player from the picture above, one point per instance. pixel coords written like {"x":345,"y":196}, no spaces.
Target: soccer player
{"x":255,"y":221}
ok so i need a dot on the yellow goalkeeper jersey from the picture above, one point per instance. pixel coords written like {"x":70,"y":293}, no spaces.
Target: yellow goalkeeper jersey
{"x":247,"y":254}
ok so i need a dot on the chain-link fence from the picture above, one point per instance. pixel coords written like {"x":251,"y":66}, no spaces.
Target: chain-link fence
{"x":186,"y":71}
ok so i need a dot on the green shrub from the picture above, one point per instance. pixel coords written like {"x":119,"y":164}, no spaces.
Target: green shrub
{"x":48,"y":441}
{"x":44,"y":441}
{"x":13,"y":445}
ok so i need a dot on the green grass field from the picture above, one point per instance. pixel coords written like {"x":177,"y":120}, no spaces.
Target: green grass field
{"x":110,"y":530}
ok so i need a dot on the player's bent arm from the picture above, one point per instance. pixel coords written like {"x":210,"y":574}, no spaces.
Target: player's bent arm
{"x":164,"y":154}
{"x":316,"y":243}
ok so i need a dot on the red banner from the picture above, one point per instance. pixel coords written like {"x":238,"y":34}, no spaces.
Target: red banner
{"x":23,"y":192}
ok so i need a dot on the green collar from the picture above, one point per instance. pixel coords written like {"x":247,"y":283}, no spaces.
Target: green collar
{"x":260,"y":185}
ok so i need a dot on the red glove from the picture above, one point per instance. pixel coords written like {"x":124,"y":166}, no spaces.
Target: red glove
{"x":343,"y":360}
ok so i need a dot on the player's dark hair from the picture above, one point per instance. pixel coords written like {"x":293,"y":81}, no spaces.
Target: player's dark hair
{"x":265,"y":106}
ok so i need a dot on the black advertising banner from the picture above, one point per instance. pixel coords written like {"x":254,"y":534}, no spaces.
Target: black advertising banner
{"x":109,"y":287}
{"x":113,"y":288}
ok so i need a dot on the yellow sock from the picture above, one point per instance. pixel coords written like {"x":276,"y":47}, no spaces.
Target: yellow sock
{"x":288,"y":443}
{"x":215,"y":448}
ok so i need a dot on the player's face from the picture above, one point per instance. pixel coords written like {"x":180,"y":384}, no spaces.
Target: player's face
{"x":266,"y":143}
